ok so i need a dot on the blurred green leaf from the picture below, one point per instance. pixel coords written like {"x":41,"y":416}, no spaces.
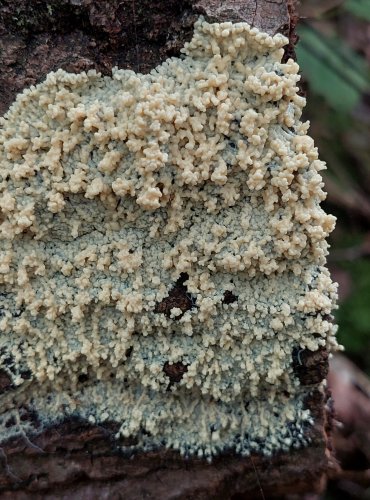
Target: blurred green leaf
{"x":354,"y":314}
{"x":332,"y":68}
{"x":338,"y":78}
{"x":360,"y":8}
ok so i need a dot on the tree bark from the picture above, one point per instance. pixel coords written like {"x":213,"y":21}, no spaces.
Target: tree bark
{"x":76,"y":459}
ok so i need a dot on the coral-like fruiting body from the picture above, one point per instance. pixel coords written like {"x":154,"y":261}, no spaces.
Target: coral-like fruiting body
{"x":163,"y":247}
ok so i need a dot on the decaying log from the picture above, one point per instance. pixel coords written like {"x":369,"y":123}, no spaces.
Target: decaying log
{"x":75,"y":459}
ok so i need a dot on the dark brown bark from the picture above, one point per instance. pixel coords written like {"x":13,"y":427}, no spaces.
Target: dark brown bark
{"x":39,"y":36}
{"x":76,"y":459}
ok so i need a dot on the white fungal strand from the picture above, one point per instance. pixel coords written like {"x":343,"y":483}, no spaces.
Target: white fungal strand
{"x":163,"y":248}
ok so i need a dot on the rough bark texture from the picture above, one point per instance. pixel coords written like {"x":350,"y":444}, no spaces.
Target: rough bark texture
{"x":39,"y":36}
{"x":75,"y":459}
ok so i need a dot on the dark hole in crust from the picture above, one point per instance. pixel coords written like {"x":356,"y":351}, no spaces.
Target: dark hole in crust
{"x":17,"y":312}
{"x":9,"y":361}
{"x":175,"y":371}
{"x":328,"y":317}
{"x":10,"y":422}
{"x":229,"y":297}
{"x":160,"y":186}
{"x":178,"y":297}
{"x":83,"y":377}
{"x":310,"y":367}
{"x":26,"y":374}
{"x":5,"y":381}
{"x":28,"y":414}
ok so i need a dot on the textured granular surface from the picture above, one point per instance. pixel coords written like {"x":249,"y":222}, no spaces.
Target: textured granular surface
{"x":163,"y":248}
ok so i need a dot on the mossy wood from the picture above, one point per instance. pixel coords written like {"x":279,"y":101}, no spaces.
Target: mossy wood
{"x":77,"y":458}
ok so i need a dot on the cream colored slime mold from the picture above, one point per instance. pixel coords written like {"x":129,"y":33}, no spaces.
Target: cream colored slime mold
{"x":117,"y":191}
